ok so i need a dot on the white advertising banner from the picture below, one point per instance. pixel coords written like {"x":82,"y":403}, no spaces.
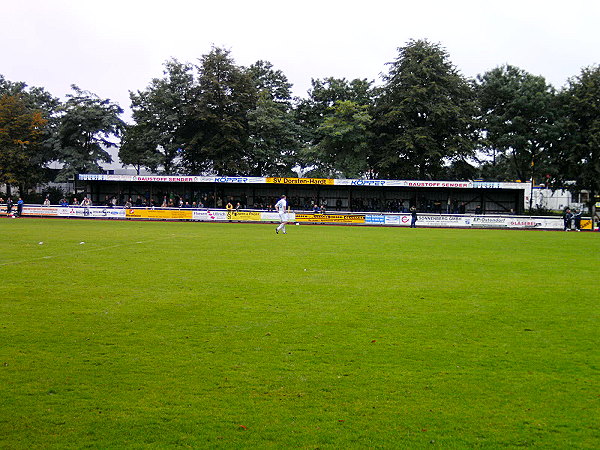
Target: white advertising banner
{"x":405,"y":183}
{"x":469,"y":221}
{"x":274,"y":217}
{"x":170,"y":178}
{"x":448,"y":221}
{"x":209,"y":215}
{"x":92,"y":211}
{"x":39,"y":211}
{"x":302,"y":181}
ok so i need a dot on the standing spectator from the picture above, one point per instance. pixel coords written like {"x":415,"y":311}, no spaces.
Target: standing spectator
{"x":9,"y":205}
{"x":46,"y":201}
{"x":577,"y":220}
{"x":20,"y":207}
{"x":413,"y":218}
{"x":568,"y":218}
{"x":86,"y":203}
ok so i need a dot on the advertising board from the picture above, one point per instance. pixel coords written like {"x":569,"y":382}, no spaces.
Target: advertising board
{"x":375,"y":219}
{"x":253,"y":216}
{"x":92,"y":212}
{"x":209,"y":215}
{"x":284,"y":180}
{"x":165,"y":214}
{"x":39,"y":211}
{"x":331,"y":218}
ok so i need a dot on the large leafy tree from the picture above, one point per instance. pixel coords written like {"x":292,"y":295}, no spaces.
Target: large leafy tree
{"x":576,"y":157}
{"x":139,"y":149}
{"x":344,"y":146}
{"x":33,"y":105}
{"x":161,"y":113}
{"x":425,"y":115}
{"x":21,"y":139}
{"x":87,"y":128}
{"x":326,"y":124}
{"x":518,"y":120}
{"x":218,"y":131}
{"x":273,"y":134}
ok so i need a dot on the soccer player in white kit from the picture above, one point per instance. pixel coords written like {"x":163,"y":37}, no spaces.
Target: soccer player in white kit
{"x":281,"y":208}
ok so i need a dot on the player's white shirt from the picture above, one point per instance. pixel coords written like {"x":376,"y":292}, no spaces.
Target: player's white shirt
{"x":281,"y":206}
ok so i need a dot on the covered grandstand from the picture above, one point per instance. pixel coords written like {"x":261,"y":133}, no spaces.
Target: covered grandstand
{"x":351,"y":195}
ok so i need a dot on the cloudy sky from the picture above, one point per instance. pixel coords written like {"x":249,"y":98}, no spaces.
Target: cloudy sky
{"x":110,"y":47}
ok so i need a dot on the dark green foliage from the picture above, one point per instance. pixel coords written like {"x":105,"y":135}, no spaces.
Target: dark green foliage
{"x":139,"y":148}
{"x":218,"y":134}
{"x":335,"y":121}
{"x":273,"y":137}
{"x":425,"y":121}
{"x":87,"y":127}
{"x":345,"y":137}
{"x":518,"y":120}
{"x":161,"y":114}
{"x":424,"y":116}
{"x":27,"y":123}
{"x":273,"y":133}
{"x":21,"y":133}
{"x":577,"y":154}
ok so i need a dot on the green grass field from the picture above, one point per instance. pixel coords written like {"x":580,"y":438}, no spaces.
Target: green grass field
{"x":154,"y":335}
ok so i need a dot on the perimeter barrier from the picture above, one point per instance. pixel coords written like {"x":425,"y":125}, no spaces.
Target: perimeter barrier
{"x":373,"y":219}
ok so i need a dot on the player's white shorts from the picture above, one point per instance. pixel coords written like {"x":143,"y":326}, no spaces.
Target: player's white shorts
{"x":283,"y":217}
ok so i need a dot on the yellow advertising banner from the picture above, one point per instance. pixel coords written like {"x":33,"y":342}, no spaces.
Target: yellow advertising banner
{"x":586,"y":224}
{"x":181,"y":214}
{"x":243,"y":215}
{"x":331,"y":218}
{"x":283,"y":180}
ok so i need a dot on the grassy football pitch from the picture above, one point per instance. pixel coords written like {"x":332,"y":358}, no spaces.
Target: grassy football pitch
{"x":154,"y":335}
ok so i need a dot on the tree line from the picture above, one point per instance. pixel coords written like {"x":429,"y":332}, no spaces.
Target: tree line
{"x":424,"y":120}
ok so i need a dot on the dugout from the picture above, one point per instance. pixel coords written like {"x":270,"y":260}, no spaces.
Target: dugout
{"x":336,"y":194}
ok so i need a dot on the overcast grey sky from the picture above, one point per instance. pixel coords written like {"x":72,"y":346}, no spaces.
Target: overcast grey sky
{"x":110,"y":47}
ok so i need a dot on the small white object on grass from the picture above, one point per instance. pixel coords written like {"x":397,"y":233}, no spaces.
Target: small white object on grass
{"x":40,"y":243}
{"x":81,"y":243}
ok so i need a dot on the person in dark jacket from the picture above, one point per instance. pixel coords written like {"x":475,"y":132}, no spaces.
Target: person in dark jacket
{"x":567,"y":219}
{"x":413,"y":219}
